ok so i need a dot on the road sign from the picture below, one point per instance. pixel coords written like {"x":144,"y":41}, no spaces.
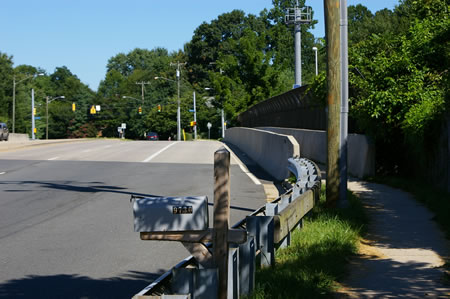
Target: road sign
{"x":93,"y":111}
{"x":37,"y":117}
{"x":191,"y":110}
{"x":124,"y":125}
{"x":209,"y":125}
{"x":119,"y":129}
{"x":97,"y":107}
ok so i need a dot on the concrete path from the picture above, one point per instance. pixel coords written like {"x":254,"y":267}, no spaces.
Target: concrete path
{"x":403,"y":256}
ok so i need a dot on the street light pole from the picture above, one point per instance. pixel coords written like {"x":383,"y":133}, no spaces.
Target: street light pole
{"x":46,"y":117}
{"x":14,"y":98}
{"x":178,"y":64}
{"x":33,"y":136}
{"x":178,"y":108}
{"x":14,"y":105}
{"x":222,"y":116}
{"x":46,"y":112}
{"x":315,"y":52}
{"x":195,"y":119}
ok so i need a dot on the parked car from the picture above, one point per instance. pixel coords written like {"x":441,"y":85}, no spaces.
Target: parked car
{"x":4,"y":132}
{"x":152,"y":136}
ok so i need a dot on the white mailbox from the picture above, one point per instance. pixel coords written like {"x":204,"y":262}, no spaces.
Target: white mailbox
{"x":170,"y":214}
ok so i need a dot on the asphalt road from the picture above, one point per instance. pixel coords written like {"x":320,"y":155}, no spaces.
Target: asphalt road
{"x":66,"y":225}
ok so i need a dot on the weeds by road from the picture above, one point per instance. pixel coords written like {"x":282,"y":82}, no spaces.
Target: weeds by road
{"x":318,"y":254}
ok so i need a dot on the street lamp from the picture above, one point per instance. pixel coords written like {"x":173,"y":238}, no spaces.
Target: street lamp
{"x":14,"y":97}
{"x":47,"y":101}
{"x":178,"y":102}
{"x":140,"y":107}
{"x":222,"y":116}
{"x":315,"y":51}
{"x":127,"y":97}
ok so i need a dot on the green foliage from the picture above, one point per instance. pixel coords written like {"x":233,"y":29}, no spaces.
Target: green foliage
{"x":399,"y":76}
{"x":247,"y":58}
{"x":6,"y":83}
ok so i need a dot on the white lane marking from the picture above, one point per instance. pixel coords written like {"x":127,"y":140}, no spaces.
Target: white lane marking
{"x":243,"y":167}
{"x":3,"y":172}
{"x":159,"y":152}
{"x":54,"y":158}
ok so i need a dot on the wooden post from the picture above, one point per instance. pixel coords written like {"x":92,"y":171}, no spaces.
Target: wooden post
{"x":332,"y":34}
{"x":221,"y":217}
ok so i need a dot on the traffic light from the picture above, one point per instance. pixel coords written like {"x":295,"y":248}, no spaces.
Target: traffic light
{"x":34,"y":111}
{"x":73,"y":107}
{"x":159,"y":108}
{"x":140,"y":110}
{"x":93,"y":111}
{"x":193,"y":123}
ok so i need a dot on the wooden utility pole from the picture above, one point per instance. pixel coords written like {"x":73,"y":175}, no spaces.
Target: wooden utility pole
{"x":142,"y":89}
{"x":332,"y":34}
{"x":221,"y":217}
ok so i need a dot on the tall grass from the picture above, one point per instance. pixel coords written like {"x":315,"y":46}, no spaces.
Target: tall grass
{"x":317,"y":256}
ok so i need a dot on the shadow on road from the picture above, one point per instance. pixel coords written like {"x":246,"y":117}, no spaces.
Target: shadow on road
{"x":71,"y":186}
{"x":75,"y":286}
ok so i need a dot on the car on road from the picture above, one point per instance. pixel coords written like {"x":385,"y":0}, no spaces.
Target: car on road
{"x":4,"y":132}
{"x":152,"y":136}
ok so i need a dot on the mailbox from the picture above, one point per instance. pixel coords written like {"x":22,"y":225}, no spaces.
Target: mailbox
{"x":170,"y":214}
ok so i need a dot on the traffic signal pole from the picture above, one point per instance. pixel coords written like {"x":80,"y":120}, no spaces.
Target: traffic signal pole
{"x":195,"y":119}
{"x":33,"y":136}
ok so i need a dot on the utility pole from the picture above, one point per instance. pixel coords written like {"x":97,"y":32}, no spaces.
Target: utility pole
{"x":178,"y":64}
{"x":142,"y":88}
{"x":344,"y":104}
{"x":14,"y":105}
{"x":195,"y":119}
{"x":332,"y":33}
{"x":222,"y":113}
{"x":46,"y":117}
{"x":33,"y":136}
{"x":298,"y":16}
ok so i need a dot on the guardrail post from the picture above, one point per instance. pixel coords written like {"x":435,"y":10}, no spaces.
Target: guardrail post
{"x":233,"y":272}
{"x":247,"y":253}
{"x":262,"y":228}
{"x":221,"y":217}
{"x":199,"y":283}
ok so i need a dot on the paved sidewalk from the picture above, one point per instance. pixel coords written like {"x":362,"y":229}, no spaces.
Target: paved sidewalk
{"x":403,"y":256}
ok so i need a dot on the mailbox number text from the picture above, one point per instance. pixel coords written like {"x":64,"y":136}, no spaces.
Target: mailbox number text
{"x":182,"y":210}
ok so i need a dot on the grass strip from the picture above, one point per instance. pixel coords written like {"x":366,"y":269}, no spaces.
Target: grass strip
{"x":317,"y":256}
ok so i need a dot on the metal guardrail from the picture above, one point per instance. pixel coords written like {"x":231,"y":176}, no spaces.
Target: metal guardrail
{"x":270,"y":225}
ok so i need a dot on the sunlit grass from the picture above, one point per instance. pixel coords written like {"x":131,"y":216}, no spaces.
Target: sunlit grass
{"x":318,"y":254}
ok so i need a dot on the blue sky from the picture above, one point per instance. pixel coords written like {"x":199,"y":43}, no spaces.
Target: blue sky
{"x":84,"y":34}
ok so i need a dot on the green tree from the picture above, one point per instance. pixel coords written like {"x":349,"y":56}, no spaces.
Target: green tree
{"x":400,"y":86}
{"x":6,"y":82}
